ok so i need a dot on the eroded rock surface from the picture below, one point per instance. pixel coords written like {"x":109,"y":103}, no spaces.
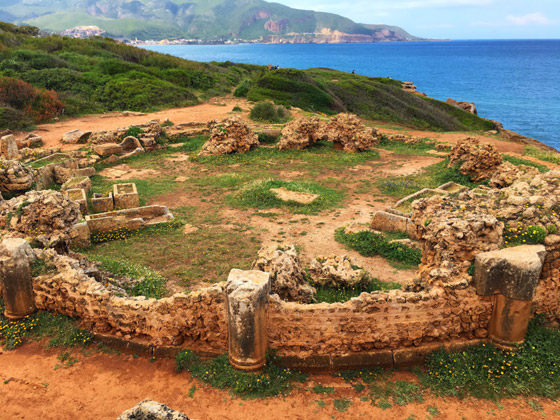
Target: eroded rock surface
{"x":350,"y":134}
{"x":151,"y":410}
{"x":336,"y":271}
{"x":288,"y":277}
{"x":301,"y":133}
{"x":15,"y":177}
{"x":229,"y":136}
{"x":479,"y":161}
{"x":47,"y":216}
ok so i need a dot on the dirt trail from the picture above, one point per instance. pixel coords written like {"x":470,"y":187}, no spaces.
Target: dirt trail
{"x":100,"y":387}
{"x":218,"y":108}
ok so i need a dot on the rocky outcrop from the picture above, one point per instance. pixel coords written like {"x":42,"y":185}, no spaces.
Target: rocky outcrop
{"x":288,"y":277}
{"x":151,"y":410}
{"x":466,"y":106}
{"x":15,"y":177}
{"x":411,"y":88}
{"x":229,"y":136}
{"x":47,"y":216}
{"x":508,"y":173}
{"x":479,"y":161}
{"x":336,"y":271}
{"x":349,"y":133}
{"x":301,"y":133}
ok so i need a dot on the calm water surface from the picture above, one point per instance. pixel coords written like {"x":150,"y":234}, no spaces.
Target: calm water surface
{"x":515,"y":82}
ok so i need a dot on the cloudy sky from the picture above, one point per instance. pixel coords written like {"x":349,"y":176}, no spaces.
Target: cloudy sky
{"x":457,"y":19}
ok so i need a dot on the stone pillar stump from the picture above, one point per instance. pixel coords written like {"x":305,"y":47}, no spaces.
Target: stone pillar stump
{"x":15,"y":276}
{"x":247,"y":299}
{"x":512,"y":276}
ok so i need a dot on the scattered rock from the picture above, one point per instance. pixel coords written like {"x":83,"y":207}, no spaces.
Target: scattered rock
{"x":230,"y":136}
{"x":9,"y":148}
{"x":466,"y":106}
{"x":75,"y":137}
{"x":337,"y":271}
{"x":15,"y":177}
{"x":151,"y":410}
{"x":299,"y":197}
{"x":288,"y":277}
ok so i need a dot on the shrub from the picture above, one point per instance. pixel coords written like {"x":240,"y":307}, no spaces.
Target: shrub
{"x":242,"y":89}
{"x":13,"y":119}
{"x":268,"y":112}
{"x":521,"y":235}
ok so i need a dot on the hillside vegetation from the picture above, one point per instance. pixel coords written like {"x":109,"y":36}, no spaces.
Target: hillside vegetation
{"x":201,"y":19}
{"x":45,"y":76}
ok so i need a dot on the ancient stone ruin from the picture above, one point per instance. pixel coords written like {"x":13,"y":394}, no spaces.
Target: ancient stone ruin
{"x":301,"y":133}
{"x":349,"y":133}
{"x":229,"y":136}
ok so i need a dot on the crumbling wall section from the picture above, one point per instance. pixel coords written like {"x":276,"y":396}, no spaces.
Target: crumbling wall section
{"x":547,"y":298}
{"x":196,"y":320}
{"x":376,"y":321}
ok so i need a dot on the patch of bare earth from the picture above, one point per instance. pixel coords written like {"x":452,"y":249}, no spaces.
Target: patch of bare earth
{"x":125,"y":172}
{"x":101,"y":387}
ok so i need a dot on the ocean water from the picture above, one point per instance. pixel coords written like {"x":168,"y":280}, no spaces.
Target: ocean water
{"x":516,"y":82}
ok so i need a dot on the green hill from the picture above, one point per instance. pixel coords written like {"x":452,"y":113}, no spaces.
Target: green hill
{"x":41,"y":76}
{"x":202,"y":19}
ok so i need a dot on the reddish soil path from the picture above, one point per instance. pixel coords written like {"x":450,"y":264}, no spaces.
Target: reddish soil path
{"x":100,"y":387}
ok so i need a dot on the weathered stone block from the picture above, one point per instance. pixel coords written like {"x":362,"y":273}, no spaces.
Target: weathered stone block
{"x":15,"y":276}
{"x":102,"y":203}
{"x":125,"y":196}
{"x":77,"y":182}
{"x":79,"y":196}
{"x":247,"y":298}
{"x":75,"y":137}
{"x":108,"y":149}
{"x":512,"y":272}
{"x":80,"y":235}
{"x":9,"y":148}
{"x":385,"y":221}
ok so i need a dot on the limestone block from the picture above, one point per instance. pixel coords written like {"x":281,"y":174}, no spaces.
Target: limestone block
{"x":77,"y":182}
{"x":15,"y":276}
{"x":130,"y":144}
{"x":9,"y":148}
{"x":75,"y":137}
{"x":80,"y":235}
{"x":78,"y":195}
{"x":102,"y":203}
{"x":126,"y":196}
{"x":385,"y":221}
{"x":247,"y":298}
{"x":512,"y":272}
{"x":108,"y":149}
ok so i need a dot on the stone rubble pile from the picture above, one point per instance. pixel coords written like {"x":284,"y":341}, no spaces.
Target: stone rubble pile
{"x":479,"y":161}
{"x":288,"y":277}
{"x":229,"y":136}
{"x":349,"y":133}
{"x":15,"y":177}
{"x":337,"y":271}
{"x":301,"y":133}
{"x":47,"y":216}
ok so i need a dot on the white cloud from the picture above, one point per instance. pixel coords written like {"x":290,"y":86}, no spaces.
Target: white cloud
{"x":530,"y":18}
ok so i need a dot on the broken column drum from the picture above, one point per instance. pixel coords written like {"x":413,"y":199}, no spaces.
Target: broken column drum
{"x":247,"y":299}
{"x":512,"y":276}
{"x":15,"y":276}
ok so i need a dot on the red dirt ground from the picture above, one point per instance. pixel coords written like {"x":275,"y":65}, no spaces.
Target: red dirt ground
{"x":101,"y":386}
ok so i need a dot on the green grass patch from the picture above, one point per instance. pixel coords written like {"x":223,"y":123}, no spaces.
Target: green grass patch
{"x":432,"y":177}
{"x":318,"y":158}
{"x":552,"y":157}
{"x":258,"y":195}
{"x":342,"y":404}
{"x":400,"y":148}
{"x":532,"y":369}
{"x":59,"y":329}
{"x":272,"y":381}
{"x":524,"y":235}
{"x":344,"y":294}
{"x":520,"y":161}
{"x":152,"y":284}
{"x":320,"y":389}
{"x":370,"y":244}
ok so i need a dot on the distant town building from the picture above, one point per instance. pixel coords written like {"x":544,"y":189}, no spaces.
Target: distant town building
{"x":83,"y":31}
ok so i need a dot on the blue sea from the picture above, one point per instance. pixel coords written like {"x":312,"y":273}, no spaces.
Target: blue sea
{"x":516,"y":82}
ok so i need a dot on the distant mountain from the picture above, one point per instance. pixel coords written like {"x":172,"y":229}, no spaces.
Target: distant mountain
{"x":207,"y":20}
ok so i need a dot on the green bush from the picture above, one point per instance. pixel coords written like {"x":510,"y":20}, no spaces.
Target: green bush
{"x":268,"y":112}
{"x":524,"y":235}
{"x":14,"y":119}
{"x":242,"y":90}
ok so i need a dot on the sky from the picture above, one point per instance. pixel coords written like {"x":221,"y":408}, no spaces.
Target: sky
{"x":455,"y":19}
